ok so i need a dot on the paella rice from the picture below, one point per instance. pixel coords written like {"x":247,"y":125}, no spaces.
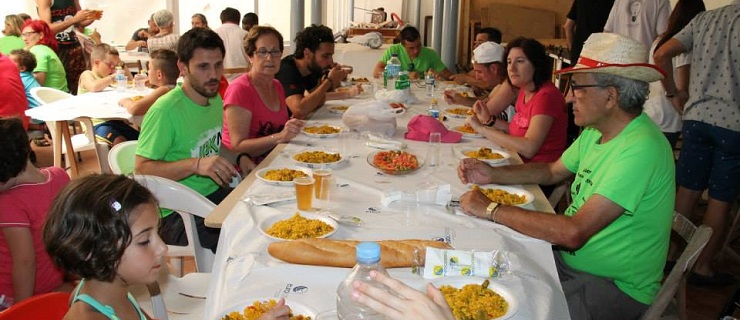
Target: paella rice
{"x":460,"y":111}
{"x":256,"y":309}
{"x":484,"y":153}
{"x":283,"y":174}
{"x":501,"y":196}
{"x":299,"y":227}
{"x":466,"y":128}
{"x":475,"y":302}
{"x":322,"y":129}
{"x":317,"y":157}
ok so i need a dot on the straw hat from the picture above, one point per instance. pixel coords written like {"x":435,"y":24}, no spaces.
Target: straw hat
{"x":618,"y":55}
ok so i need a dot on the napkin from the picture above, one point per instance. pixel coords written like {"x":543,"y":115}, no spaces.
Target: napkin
{"x":269,"y":198}
{"x":487,"y":264}
{"x":382,"y":142}
{"x":435,"y":194}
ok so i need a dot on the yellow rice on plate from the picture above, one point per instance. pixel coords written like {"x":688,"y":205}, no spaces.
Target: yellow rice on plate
{"x":475,"y":302}
{"x":502,"y":197}
{"x":283,"y":174}
{"x":299,"y":227}
{"x":256,"y":310}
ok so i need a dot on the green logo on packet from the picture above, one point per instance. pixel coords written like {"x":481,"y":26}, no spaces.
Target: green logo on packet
{"x":438,"y":270}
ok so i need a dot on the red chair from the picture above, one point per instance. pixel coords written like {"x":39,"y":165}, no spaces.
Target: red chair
{"x":51,"y":306}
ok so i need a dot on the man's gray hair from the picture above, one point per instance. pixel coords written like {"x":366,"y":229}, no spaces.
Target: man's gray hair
{"x":632,"y":93}
{"x":163,"y":18}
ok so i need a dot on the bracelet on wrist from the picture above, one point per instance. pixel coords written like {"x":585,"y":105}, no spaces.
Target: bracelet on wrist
{"x":239,"y":158}
{"x":491,"y":121}
{"x":331,"y":82}
{"x":670,"y":95}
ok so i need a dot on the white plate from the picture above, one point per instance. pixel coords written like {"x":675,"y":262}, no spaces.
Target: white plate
{"x":321,"y":135}
{"x":268,"y":222}
{"x":466,"y":134}
{"x":261,"y":175}
{"x":459,"y":282}
{"x":371,"y":158}
{"x":448,"y":112}
{"x":505,"y":154}
{"x":528,"y":196}
{"x":316,"y":165}
{"x":337,"y":109}
{"x":296,"y":307}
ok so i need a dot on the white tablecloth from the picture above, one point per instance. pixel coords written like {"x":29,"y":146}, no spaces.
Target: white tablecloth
{"x":245,"y":272}
{"x":103,"y":105}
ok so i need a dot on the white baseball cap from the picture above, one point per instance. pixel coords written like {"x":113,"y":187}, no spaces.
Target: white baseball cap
{"x":488,"y":52}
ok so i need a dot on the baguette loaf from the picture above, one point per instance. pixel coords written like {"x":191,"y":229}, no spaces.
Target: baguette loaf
{"x":341,"y":253}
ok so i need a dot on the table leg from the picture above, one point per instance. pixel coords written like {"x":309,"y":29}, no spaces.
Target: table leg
{"x":74,"y":171}
{"x":56,"y":140}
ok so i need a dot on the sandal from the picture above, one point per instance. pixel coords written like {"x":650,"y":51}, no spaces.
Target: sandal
{"x":41,"y":142}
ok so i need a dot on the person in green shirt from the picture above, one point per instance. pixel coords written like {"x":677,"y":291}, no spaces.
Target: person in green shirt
{"x":616,"y":232}
{"x":411,"y":51}
{"x":12,"y":31}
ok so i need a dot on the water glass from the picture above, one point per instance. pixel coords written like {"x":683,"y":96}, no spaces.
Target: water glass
{"x":140,"y":82}
{"x":319,"y":175}
{"x":433,"y":157}
{"x":327,"y":192}
{"x":304,"y":192}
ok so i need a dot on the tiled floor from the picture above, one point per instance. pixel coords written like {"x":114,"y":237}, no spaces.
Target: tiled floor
{"x":704,"y":303}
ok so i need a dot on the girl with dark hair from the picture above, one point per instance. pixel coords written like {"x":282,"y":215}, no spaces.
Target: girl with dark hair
{"x":49,"y":71}
{"x":538,"y":129}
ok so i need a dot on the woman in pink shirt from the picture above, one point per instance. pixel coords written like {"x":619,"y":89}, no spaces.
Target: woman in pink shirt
{"x":537,"y":132}
{"x":256,"y":115}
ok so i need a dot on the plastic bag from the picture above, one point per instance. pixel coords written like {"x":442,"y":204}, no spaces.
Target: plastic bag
{"x":372,"y":116}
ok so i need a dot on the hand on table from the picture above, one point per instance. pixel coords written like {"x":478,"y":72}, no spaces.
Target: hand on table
{"x":402,"y":302}
{"x":217,"y":168}
{"x":474,"y":203}
{"x":474,"y":171}
{"x":453,"y":97}
{"x":279,"y":312}
{"x":291,"y":129}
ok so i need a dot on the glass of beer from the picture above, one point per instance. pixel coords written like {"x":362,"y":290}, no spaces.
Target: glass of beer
{"x":304,"y":192}
{"x":319,"y":175}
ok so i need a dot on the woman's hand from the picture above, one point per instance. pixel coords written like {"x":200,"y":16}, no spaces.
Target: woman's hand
{"x":402,"y":302}
{"x":291,"y":129}
{"x":481,"y":111}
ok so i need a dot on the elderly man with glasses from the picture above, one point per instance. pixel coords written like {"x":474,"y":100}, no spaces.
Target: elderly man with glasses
{"x":614,"y":237}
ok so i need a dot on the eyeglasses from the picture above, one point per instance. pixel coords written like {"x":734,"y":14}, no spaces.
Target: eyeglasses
{"x":575,"y":86}
{"x":28,"y":34}
{"x":263,"y":53}
{"x":113,"y":65}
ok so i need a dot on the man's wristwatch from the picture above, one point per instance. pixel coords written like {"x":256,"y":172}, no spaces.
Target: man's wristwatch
{"x":491,"y":209}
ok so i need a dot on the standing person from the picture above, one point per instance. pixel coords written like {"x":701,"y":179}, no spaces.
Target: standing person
{"x":250,"y":20}
{"x":584,"y":18}
{"x":50,"y":71}
{"x":26,"y":194}
{"x":103,"y":229}
{"x":198,"y":20}
{"x":310,"y":74}
{"x":12,"y":34}
{"x":710,"y":155}
{"x":141,"y":35}
{"x":538,"y":129}
{"x":166,"y":38}
{"x":410,"y":51}
{"x":658,"y":106}
{"x":256,"y":115}
{"x":617,"y":229}
{"x":233,"y":38}
{"x":642,"y":20}
{"x":13,"y":102}
{"x":181,"y":133}
{"x":62,"y":15}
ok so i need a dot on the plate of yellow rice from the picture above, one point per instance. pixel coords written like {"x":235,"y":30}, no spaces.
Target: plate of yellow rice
{"x":511,"y":196}
{"x":253,"y":308}
{"x":294,"y":225}
{"x":477,"y":298}
{"x":282,"y":176}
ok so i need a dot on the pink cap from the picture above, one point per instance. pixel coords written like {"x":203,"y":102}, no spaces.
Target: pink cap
{"x":421,"y":126}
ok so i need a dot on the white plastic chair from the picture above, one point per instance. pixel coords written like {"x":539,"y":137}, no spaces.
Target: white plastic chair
{"x":122,"y":156}
{"x":187,"y":203}
{"x":171,"y":297}
{"x":80,"y":142}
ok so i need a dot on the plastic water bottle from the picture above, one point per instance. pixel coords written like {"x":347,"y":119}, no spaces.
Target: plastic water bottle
{"x":120,"y":80}
{"x":368,"y":258}
{"x":430,"y":82}
{"x":433,"y":110}
{"x":392,"y":69}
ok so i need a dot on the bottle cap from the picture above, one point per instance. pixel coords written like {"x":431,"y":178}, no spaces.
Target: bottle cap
{"x":368,"y":252}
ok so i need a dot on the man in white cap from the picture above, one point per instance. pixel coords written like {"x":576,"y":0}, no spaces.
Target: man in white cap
{"x":614,"y":237}
{"x":489,"y":68}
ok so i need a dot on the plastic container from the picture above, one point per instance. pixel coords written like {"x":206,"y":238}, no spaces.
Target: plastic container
{"x":368,"y":259}
{"x":433,"y":109}
{"x":120,"y":80}
{"x":392,"y":69}
{"x":140,"y":81}
{"x":430,"y":82}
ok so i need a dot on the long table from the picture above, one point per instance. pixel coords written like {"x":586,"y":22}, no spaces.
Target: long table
{"x":245,"y":272}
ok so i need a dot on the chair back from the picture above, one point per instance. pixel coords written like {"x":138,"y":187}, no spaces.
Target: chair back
{"x":46,"y":95}
{"x":675,"y":283}
{"x":175,"y":196}
{"x":122,"y":156}
{"x":51,"y":306}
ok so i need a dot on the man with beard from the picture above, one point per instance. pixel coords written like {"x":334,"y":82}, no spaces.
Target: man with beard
{"x":181,"y":133}
{"x":310,"y":73}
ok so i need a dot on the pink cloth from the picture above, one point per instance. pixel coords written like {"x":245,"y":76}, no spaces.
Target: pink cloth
{"x":264,"y":121}
{"x":13,"y":102}
{"x":26,"y":206}
{"x":546,"y":101}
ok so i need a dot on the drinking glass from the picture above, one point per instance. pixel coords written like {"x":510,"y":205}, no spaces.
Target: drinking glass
{"x":327,"y":193}
{"x":319,"y":175}
{"x":140,"y":82}
{"x":304,"y":192}
{"x":435,"y":139}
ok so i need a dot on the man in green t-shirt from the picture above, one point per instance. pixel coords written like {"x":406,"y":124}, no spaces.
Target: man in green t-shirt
{"x":617,"y":229}
{"x":411,"y":51}
{"x":181,"y":133}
